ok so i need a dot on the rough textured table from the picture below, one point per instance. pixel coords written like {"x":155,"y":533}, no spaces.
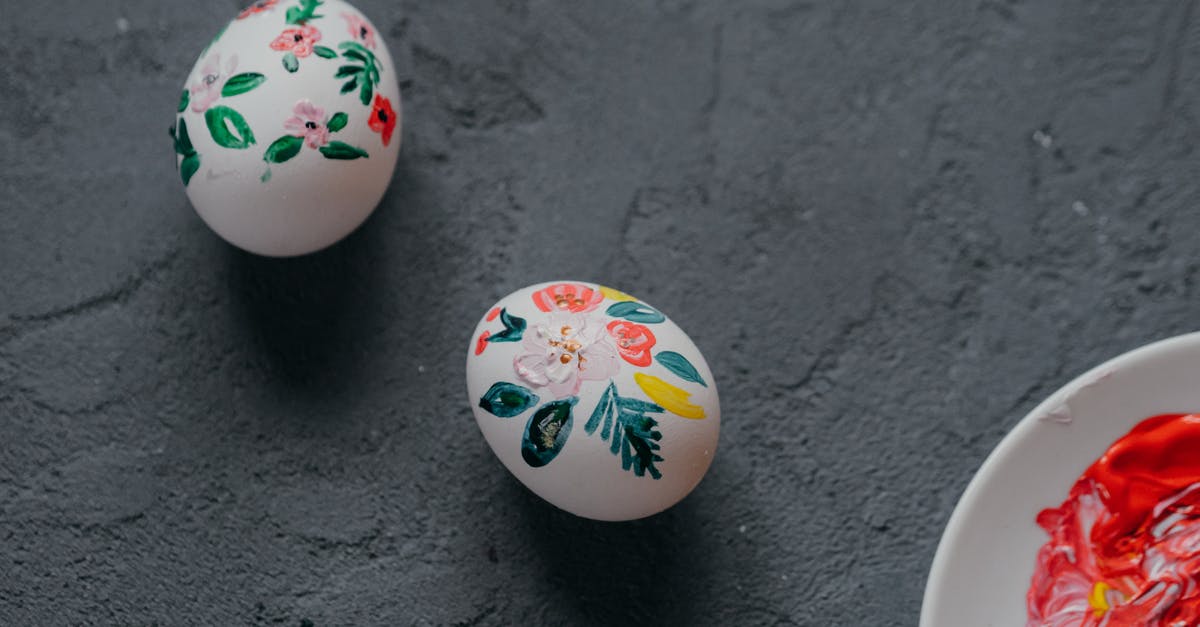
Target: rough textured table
{"x":891,"y":229}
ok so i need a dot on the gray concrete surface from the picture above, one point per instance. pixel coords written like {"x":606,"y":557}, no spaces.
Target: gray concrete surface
{"x":892,"y":228}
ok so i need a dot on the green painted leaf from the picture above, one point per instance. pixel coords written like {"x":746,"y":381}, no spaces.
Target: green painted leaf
{"x":291,"y":63}
{"x":546,"y":432}
{"x":242,"y":83}
{"x":188,"y":167}
{"x":305,"y":12}
{"x":337,"y":122}
{"x":366,"y":92}
{"x":348,"y":70}
{"x":350,"y":86}
{"x":506,"y":400}
{"x":680,"y":366}
{"x":514,"y":328}
{"x":635,"y":312}
{"x":228,"y":128}
{"x":342,"y":150}
{"x":324,"y":52}
{"x":283,"y":149}
{"x":183,"y":100}
{"x":183,"y":141}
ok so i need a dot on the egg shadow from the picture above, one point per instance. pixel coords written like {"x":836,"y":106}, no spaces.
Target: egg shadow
{"x":639,"y":572}
{"x":310,"y":317}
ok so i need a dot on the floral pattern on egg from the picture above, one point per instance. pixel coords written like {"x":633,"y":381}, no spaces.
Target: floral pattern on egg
{"x":288,"y":82}
{"x":556,"y":357}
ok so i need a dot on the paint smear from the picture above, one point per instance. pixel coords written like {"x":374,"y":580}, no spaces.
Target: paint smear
{"x":1124,"y":548}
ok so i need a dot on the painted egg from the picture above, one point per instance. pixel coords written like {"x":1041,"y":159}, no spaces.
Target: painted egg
{"x":593,"y":399}
{"x":288,"y":127}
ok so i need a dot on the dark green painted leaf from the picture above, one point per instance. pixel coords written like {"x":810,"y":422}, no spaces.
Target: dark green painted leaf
{"x":358,"y":50}
{"x":354,"y":54}
{"x":680,"y":366}
{"x":635,"y":312}
{"x":228,"y":128}
{"x":188,"y":167}
{"x":630,"y":432}
{"x":283,"y":149}
{"x":350,"y":86}
{"x":348,"y":70}
{"x":546,"y":432}
{"x":183,"y":141}
{"x":341,"y":150}
{"x":366,"y":92}
{"x":183,"y":100}
{"x":242,"y":83}
{"x":337,"y":122}
{"x":324,"y":53}
{"x":508,"y":399}
{"x":514,"y":328}
{"x":290,"y":62}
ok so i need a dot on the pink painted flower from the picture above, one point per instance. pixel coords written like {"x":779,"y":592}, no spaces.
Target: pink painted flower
{"x":564,"y":352}
{"x":298,"y":41}
{"x":207,"y":88}
{"x":360,"y":30}
{"x":571,"y":297}
{"x":261,"y":6}
{"x":308,"y":122}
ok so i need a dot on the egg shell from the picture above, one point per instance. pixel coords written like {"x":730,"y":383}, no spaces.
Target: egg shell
{"x":288,"y":127}
{"x":593,"y":399}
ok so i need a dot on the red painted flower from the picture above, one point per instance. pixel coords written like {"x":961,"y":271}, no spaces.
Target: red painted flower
{"x":298,"y":41}
{"x":570,"y":297}
{"x":383,"y":118}
{"x":262,"y":6}
{"x":634,"y":341}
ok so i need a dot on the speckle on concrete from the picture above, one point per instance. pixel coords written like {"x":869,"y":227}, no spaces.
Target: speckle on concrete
{"x":866,"y":216}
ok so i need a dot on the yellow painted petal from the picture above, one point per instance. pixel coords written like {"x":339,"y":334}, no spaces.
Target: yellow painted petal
{"x":615,"y":294}
{"x":670,"y":397}
{"x":1098,"y":599}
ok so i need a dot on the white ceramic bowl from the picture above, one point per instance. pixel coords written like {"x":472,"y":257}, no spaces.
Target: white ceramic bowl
{"x":988,"y":552}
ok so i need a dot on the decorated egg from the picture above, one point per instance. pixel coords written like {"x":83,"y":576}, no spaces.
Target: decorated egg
{"x":288,"y":126}
{"x":593,"y":399}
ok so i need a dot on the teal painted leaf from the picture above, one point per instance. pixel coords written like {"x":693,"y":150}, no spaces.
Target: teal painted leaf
{"x":283,"y":149}
{"x":635,"y":312}
{"x":228,"y":128}
{"x":324,"y":53}
{"x":188,"y":167}
{"x":546,"y":432}
{"x":514,"y":328}
{"x":291,"y":63}
{"x":242,"y":83}
{"x":337,"y":122}
{"x":506,"y":400}
{"x":343,"y":151}
{"x":183,"y":100}
{"x":680,"y":366}
{"x":630,"y":432}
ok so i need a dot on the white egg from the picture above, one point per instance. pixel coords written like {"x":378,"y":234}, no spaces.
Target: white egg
{"x":288,"y":126}
{"x":593,"y":399}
